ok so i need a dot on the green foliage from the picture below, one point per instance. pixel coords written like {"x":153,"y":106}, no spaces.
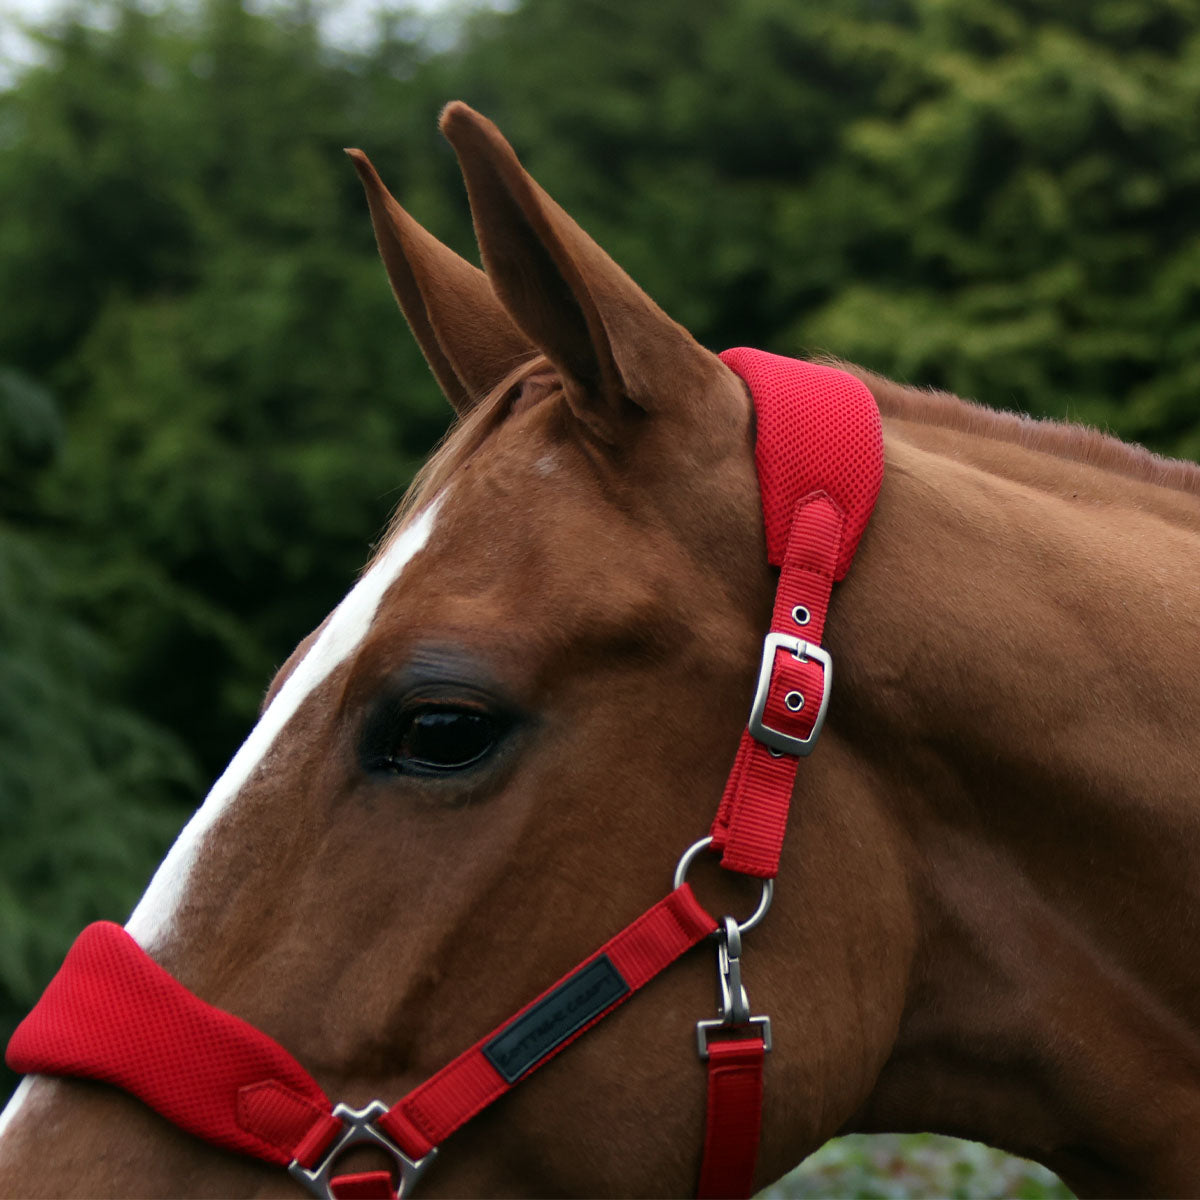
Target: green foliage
{"x":30,"y":436}
{"x":208,"y":403}
{"x":894,"y":1166}
{"x":199,"y":283}
{"x":85,"y":784}
{"x":993,"y":196}
{"x":90,"y":790}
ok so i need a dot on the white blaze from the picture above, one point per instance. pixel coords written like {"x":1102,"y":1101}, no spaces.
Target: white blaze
{"x":154,"y":917}
{"x":14,"y":1103}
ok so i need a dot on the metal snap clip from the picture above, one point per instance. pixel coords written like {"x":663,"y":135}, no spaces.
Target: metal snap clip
{"x":732,"y":1001}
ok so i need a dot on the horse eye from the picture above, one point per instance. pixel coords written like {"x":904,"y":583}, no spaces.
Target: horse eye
{"x":439,"y":738}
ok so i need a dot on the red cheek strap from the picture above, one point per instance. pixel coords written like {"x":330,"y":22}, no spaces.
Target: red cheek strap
{"x":819,"y":458}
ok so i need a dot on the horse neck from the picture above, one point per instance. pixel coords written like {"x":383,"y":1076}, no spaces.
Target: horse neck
{"x":1019,"y":636}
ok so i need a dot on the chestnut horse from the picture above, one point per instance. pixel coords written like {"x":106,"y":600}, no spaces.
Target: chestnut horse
{"x":489,"y":756}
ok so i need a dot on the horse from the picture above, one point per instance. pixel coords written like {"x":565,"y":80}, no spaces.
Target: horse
{"x":488,"y":758}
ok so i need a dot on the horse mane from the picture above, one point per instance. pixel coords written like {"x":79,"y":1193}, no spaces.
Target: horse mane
{"x":1080,"y":443}
{"x":532,"y":380}
{"x":536,"y":378}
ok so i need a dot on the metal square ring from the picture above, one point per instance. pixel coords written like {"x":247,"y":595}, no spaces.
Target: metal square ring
{"x":704,"y":1029}
{"x":359,"y":1127}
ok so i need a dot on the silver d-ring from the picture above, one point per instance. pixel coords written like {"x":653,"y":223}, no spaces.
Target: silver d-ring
{"x":764,"y":901}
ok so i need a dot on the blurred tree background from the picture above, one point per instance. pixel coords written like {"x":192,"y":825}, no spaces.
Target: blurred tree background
{"x":208,"y":403}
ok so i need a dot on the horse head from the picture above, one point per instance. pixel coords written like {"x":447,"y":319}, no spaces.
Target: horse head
{"x":489,"y":756}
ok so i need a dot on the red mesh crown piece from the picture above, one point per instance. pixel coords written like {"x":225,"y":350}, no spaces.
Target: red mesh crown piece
{"x":818,"y":430}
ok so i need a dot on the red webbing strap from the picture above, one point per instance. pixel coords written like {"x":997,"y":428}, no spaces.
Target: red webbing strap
{"x":363,"y":1185}
{"x":112,"y":1013}
{"x":752,"y":817}
{"x":733,"y":1120}
{"x":433,"y":1111}
{"x":819,"y":458}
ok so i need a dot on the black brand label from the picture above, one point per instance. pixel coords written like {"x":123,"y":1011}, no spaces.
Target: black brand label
{"x":586,"y":994}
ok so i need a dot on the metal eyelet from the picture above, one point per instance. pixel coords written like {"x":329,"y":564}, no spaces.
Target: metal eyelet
{"x":794,"y":701}
{"x":801,"y":615}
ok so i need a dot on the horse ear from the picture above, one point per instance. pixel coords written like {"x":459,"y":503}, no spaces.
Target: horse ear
{"x":615,"y":349}
{"x":467,"y":337}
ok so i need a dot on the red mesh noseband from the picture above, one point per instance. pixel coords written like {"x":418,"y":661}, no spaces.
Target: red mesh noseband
{"x":112,"y":1013}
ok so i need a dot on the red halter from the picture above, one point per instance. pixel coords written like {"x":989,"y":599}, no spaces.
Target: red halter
{"x":112,"y":1014}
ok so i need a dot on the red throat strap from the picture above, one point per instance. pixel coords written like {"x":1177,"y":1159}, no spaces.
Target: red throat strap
{"x":733,"y":1120}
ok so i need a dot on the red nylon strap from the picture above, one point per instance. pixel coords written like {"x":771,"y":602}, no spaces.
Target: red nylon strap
{"x":733,"y":1120}
{"x":433,"y":1111}
{"x":363,"y":1185}
{"x":752,"y":818}
{"x":819,"y":457}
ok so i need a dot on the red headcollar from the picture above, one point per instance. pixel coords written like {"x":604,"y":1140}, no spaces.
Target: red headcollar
{"x":112,"y":1014}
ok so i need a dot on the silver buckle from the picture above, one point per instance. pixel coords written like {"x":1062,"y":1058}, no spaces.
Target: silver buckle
{"x":732,"y":1000}
{"x":803,"y":651}
{"x":360,"y":1129}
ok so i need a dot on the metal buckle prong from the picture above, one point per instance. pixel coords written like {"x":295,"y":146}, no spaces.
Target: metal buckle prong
{"x":360,"y":1128}
{"x":803,"y":651}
